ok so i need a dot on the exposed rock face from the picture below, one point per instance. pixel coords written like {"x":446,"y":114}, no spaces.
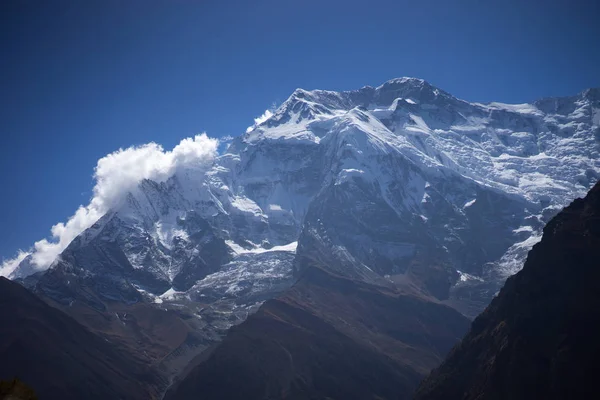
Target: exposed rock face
{"x":157,"y":278}
{"x":59,"y":358}
{"x":538,"y":339}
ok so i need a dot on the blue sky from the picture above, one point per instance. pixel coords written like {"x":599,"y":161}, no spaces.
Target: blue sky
{"x":82,"y":78}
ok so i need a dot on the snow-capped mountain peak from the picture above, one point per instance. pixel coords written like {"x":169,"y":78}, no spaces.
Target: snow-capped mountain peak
{"x":398,"y":182}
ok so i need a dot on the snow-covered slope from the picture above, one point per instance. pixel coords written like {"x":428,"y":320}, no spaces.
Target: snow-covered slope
{"x":402,"y":184}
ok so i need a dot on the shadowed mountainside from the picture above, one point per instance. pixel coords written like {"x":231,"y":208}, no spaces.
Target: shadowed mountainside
{"x":538,"y":339}
{"x":59,"y":358}
{"x":328,"y":337}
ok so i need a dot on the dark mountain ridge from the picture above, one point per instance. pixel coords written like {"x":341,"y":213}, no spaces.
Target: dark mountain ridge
{"x":59,"y":358}
{"x":538,"y":339}
{"x":328,"y":337}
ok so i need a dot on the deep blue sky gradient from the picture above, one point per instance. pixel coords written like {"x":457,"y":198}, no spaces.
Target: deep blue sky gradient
{"x":79,"y":79}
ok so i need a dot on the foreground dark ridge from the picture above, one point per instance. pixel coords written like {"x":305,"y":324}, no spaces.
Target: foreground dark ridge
{"x":539,"y":338}
{"x":60,"y":359}
{"x":328,"y":337}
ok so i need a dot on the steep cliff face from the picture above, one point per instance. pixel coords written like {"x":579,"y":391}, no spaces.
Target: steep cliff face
{"x":538,"y":339}
{"x":59,"y":358}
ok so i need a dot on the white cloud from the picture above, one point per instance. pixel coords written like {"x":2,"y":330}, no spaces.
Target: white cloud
{"x":226,"y":138}
{"x":259,"y":120}
{"x":116,"y":174}
{"x":9,"y":266}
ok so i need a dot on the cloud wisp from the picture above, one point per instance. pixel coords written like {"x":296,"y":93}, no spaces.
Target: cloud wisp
{"x":117,"y":174}
{"x":259,"y":120}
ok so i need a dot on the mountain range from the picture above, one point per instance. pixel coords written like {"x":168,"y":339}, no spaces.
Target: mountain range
{"x":373,"y":222}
